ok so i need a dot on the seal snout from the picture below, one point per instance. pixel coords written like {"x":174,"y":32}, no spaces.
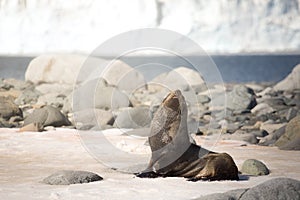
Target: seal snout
{"x":172,"y":101}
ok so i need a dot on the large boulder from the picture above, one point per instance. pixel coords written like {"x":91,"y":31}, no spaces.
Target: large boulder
{"x":55,"y":68}
{"x":181,"y":78}
{"x":241,"y":98}
{"x":290,"y":139}
{"x":67,"y":177}
{"x":57,"y":72}
{"x":97,"y":93}
{"x":47,"y":116}
{"x":277,"y":188}
{"x":291,"y":82}
{"x":123,"y":76}
{"x":137,"y":117}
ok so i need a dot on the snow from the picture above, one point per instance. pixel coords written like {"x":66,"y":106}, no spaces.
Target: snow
{"x":26,"y":158}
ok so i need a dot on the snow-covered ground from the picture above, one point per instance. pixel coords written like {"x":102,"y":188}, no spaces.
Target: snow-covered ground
{"x":36,"y":26}
{"x":26,"y":158}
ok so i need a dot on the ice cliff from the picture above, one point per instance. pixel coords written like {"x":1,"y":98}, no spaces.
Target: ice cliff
{"x":38,"y":26}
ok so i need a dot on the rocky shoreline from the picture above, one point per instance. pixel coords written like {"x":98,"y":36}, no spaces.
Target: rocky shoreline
{"x":262,"y":114}
{"x":53,"y":96}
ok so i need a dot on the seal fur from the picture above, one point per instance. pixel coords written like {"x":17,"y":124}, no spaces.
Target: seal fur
{"x":172,"y":152}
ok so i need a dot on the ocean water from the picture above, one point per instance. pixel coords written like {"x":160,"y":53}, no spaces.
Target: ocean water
{"x":233,"y":68}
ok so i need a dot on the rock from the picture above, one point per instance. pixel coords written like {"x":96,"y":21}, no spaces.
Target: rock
{"x":272,"y":138}
{"x":110,"y":98}
{"x":291,"y":113}
{"x":291,"y":145}
{"x":90,"y":118}
{"x":8,"y":108}
{"x":203,"y":99}
{"x":67,"y":177}
{"x":52,"y":99}
{"x":256,"y":87}
{"x":260,"y":133}
{"x":46,"y":88}
{"x":292,"y":132}
{"x":230,"y":195}
{"x":241,"y":98}
{"x":241,"y":136}
{"x":231,"y":128}
{"x":262,"y":109}
{"x":254,"y":167}
{"x":181,"y":78}
{"x":55,"y":68}
{"x":32,"y":127}
{"x":4,"y":123}
{"x":277,"y":103}
{"x":67,"y":107}
{"x":271,"y":128}
{"x":277,"y":188}
{"x":28,"y":96}
{"x":47,"y":116}
{"x":124,"y":77}
{"x":291,"y":82}
{"x":138,"y":117}
{"x":96,"y":94}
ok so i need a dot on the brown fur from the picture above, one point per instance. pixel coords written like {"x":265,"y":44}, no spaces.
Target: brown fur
{"x":174,"y":155}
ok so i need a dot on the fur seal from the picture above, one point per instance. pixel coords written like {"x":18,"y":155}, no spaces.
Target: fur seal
{"x":172,"y":152}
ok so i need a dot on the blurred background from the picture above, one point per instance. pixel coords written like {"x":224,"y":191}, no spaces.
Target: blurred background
{"x":252,"y":37}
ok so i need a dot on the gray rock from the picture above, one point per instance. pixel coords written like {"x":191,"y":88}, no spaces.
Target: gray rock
{"x":90,"y":118}
{"x":292,"y":145}
{"x":231,"y":128}
{"x":277,"y":188}
{"x":262,"y":109}
{"x":292,"y":132}
{"x":14,"y":83}
{"x":110,"y":98}
{"x":203,"y":99}
{"x":230,"y":195}
{"x":67,"y":177}
{"x":46,"y":88}
{"x":96,"y":94}
{"x":138,"y":117}
{"x":47,"y":116}
{"x":182,"y":78}
{"x":260,"y":133}
{"x":28,"y":96}
{"x":254,"y":167}
{"x":52,"y":99}
{"x":291,"y":113}
{"x":291,"y":82}
{"x":241,"y":98}
{"x":67,"y":105}
{"x":241,"y":136}
{"x":5,"y":124}
{"x":272,"y":138}
{"x":8,"y":108}
{"x":124,"y":77}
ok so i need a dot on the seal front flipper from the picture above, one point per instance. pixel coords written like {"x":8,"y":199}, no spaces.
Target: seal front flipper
{"x":150,"y":174}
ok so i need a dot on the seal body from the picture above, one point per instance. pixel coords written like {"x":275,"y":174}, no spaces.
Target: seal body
{"x":172,"y":152}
